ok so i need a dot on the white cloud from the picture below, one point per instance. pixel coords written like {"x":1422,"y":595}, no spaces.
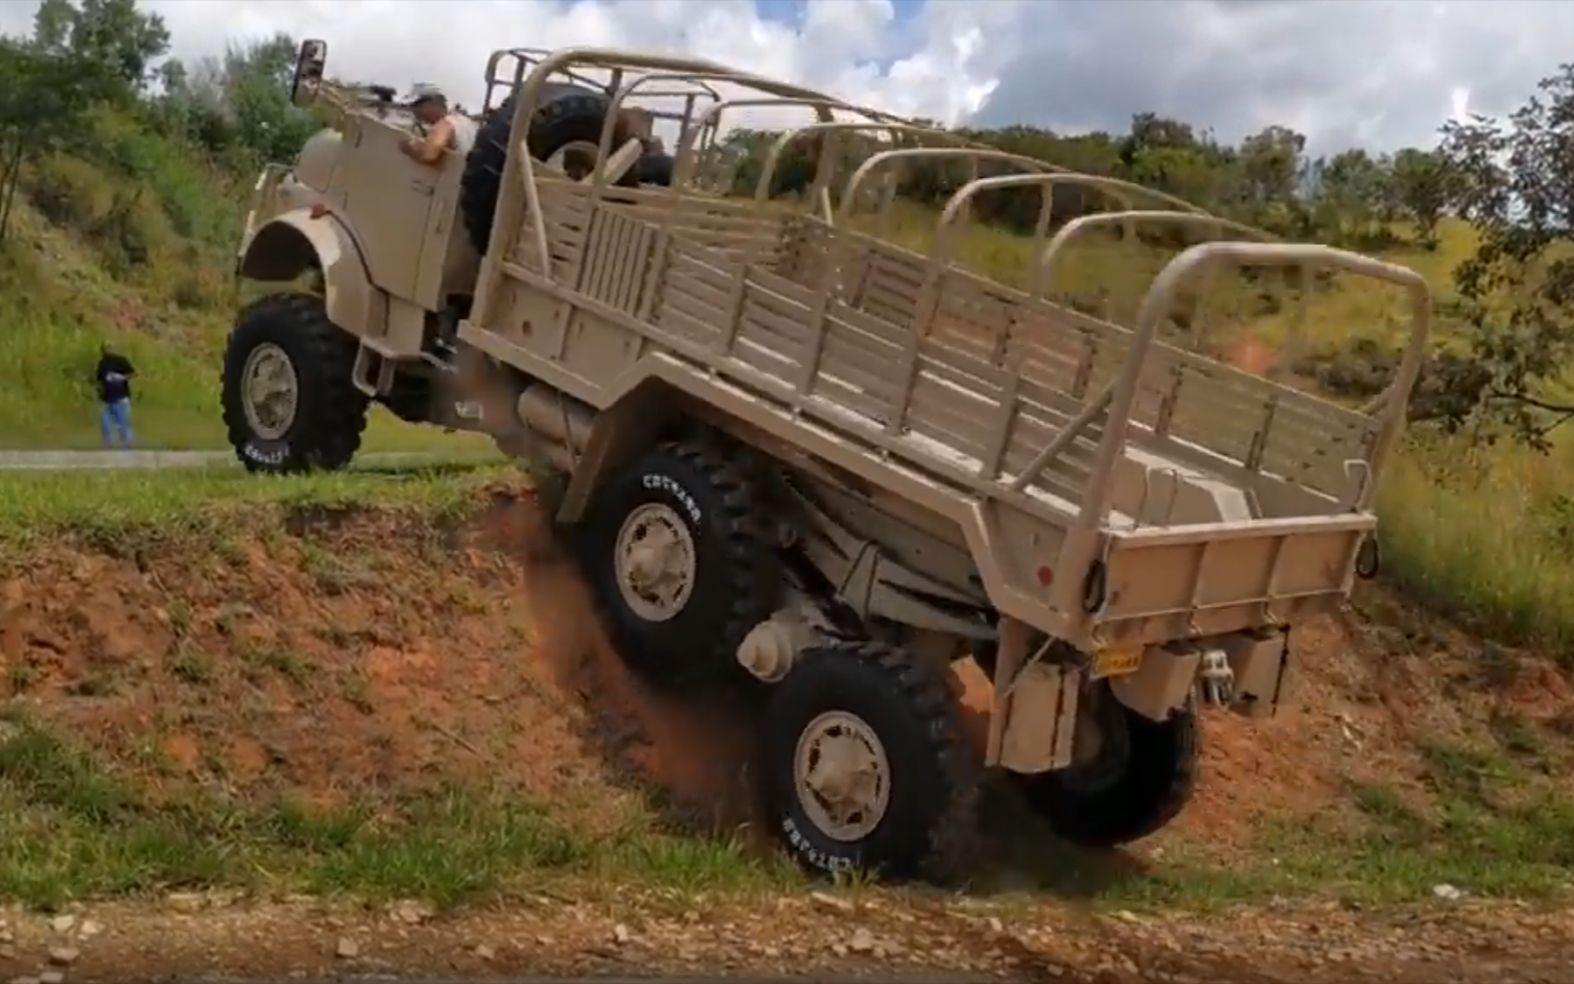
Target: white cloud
{"x":1379,"y":73}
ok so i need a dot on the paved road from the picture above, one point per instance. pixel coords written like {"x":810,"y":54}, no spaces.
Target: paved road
{"x":94,"y":460}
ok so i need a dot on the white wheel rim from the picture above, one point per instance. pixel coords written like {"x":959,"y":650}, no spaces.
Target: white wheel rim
{"x":576,"y":158}
{"x":655,"y":562}
{"x":270,"y":391}
{"x":842,"y":775}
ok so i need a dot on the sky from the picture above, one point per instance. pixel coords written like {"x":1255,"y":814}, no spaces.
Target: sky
{"x":1375,"y":73}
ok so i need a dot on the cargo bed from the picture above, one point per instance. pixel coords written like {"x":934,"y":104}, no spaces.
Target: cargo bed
{"x":1110,"y":485}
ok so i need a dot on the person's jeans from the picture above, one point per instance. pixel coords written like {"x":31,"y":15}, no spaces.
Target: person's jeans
{"x":117,"y":416}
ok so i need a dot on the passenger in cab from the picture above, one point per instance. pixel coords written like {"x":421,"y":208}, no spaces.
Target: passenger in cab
{"x":440,"y":129}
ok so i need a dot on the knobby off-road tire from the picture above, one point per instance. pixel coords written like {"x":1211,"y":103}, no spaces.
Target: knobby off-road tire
{"x":870,"y":694}
{"x":697,"y":571}
{"x":565,"y":114}
{"x":1121,"y":799}
{"x":283,"y":342}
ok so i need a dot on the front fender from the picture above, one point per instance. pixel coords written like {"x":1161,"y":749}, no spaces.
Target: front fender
{"x":295,"y":242}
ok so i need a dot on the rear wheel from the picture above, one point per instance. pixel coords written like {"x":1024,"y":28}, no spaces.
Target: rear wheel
{"x":288,"y":399}
{"x":675,"y":548}
{"x":1131,"y":775}
{"x":866,"y":768}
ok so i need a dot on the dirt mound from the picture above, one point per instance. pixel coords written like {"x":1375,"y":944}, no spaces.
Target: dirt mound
{"x":354,"y":657}
{"x":362,"y":656}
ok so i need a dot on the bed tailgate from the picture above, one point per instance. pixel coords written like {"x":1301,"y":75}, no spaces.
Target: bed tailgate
{"x":1175,"y":582}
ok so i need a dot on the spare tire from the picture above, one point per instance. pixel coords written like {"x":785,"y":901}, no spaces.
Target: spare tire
{"x":567,"y":115}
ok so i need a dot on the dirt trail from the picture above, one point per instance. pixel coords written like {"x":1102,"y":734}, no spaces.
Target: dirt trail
{"x":877,"y":937}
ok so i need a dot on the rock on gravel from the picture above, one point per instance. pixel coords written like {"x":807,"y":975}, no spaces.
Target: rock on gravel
{"x":410,"y":912}
{"x":347,"y":949}
{"x":183,"y":902}
{"x":64,"y":956}
{"x":63,"y":923}
{"x":825,"y":900}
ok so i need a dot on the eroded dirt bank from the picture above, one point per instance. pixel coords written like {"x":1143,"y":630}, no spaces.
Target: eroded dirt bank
{"x":357,"y":658}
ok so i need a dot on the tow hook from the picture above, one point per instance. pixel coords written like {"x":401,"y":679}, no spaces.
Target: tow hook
{"x":1218,"y":679}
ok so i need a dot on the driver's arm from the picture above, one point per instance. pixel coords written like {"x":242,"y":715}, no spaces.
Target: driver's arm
{"x":430,"y":150}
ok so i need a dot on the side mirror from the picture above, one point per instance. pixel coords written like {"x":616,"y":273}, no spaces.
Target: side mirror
{"x":308,"y":71}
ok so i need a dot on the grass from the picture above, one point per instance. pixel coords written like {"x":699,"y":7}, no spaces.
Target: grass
{"x":1482,"y":832}
{"x":1485,"y":834}
{"x":1486,"y":536}
{"x":69,"y":831}
{"x":58,"y":303}
{"x":110,"y":506}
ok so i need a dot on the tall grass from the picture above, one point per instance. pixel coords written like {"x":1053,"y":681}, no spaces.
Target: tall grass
{"x":1485,"y":534}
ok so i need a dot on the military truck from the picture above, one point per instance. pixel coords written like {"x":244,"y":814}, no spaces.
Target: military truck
{"x":804,"y":458}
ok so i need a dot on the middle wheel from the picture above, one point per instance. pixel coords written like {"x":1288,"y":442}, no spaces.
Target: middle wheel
{"x":676,"y":553}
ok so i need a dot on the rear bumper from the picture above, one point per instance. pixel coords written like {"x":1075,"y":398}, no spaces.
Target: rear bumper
{"x":1213,"y":579}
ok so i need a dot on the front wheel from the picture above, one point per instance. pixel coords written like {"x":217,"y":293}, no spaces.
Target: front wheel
{"x":289,"y":402}
{"x":1130,"y":776}
{"x":866,"y":768}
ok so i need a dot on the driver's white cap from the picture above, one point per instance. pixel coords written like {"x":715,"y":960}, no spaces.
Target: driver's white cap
{"x":423,"y":91}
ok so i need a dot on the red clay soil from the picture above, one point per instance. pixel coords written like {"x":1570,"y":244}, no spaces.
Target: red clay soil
{"x":366,"y":655}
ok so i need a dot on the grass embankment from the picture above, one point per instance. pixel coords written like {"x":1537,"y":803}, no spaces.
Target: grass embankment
{"x":169,"y":621}
{"x":144,"y":263}
{"x":232,"y":632}
{"x":69,"y":830}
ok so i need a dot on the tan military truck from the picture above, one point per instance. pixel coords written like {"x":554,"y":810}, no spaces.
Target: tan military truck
{"x":803,"y":454}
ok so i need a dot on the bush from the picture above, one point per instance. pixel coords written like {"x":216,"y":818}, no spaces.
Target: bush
{"x":70,"y":192}
{"x":175,"y":171}
{"x":132,"y":234}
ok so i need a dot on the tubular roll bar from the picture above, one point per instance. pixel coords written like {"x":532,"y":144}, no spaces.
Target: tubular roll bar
{"x":1156,"y":304}
{"x":975,"y":154}
{"x":698,"y":79}
{"x":709,"y":123}
{"x":945,"y":236}
{"x":762,"y":187}
{"x":519,"y":171}
{"x":1041,"y":280}
{"x":526,"y":57}
{"x":850,"y":193}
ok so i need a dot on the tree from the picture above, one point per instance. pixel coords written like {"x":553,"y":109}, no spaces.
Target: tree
{"x":256,"y":92}
{"x":112,"y":41}
{"x":1150,"y":132}
{"x":1353,"y":192}
{"x":1422,"y":187}
{"x":40,"y":95}
{"x":1514,"y":182}
{"x":1270,"y":165}
{"x":1268,"y":174}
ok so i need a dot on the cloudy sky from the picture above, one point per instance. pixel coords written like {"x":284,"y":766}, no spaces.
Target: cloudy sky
{"x":1380,"y":74}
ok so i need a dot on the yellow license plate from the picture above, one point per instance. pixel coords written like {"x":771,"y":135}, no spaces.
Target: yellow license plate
{"x":1116,"y":661}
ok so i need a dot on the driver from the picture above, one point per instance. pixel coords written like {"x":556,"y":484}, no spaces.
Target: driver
{"x":439,"y":128}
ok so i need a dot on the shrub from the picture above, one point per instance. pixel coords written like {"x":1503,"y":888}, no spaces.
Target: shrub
{"x":70,"y":192}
